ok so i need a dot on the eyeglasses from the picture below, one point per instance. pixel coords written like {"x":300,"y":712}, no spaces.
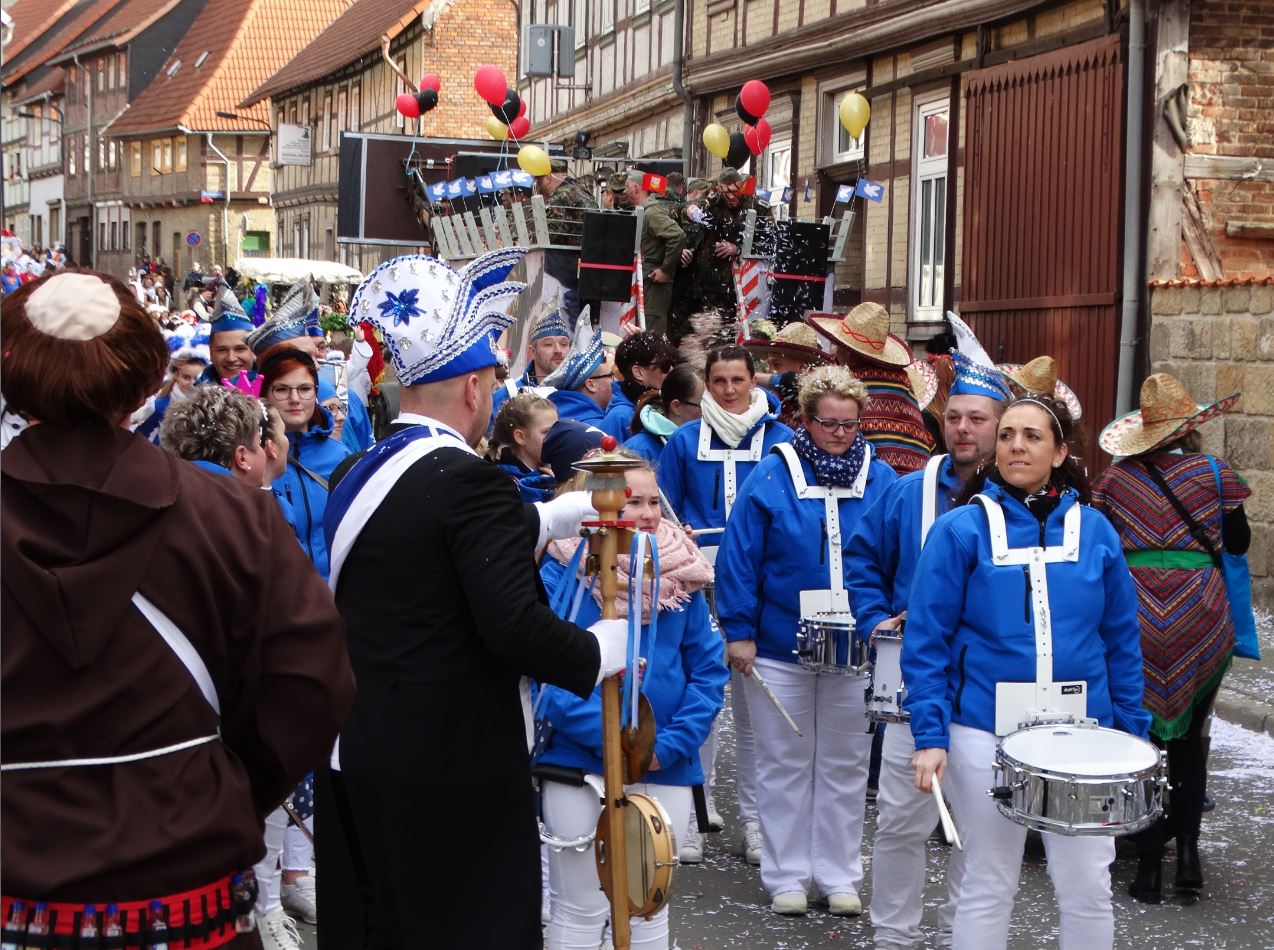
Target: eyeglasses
{"x":687,"y":402}
{"x":337,"y":409}
{"x":304,"y":392}
{"x":831,"y":425}
{"x":603,"y":376}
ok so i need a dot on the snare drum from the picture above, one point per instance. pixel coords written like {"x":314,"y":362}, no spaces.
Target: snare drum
{"x":1078,"y":780}
{"x":828,"y":643}
{"x":886,"y":693}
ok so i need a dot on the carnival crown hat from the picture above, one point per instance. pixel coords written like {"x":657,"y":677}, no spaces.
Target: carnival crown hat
{"x":924,"y":381}
{"x":582,"y":360}
{"x":1039,"y":378}
{"x":438,"y":322}
{"x":549,"y":325}
{"x":228,"y":314}
{"x":1167,"y":412}
{"x":797,"y":341}
{"x":975,"y":374}
{"x":865,"y":330}
{"x":296,"y":316}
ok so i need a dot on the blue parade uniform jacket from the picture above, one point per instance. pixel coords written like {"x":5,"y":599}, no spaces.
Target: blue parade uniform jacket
{"x":618,"y":420}
{"x":357,"y":433}
{"x":502,"y":394}
{"x":684,"y":682}
{"x":572,"y":404}
{"x":695,"y":489}
{"x":316,"y":451}
{"x":885,"y":546}
{"x":149,"y":429}
{"x":970,"y":623}
{"x":646,"y":444}
{"x":775,"y":546}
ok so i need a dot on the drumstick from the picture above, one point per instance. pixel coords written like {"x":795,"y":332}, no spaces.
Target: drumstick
{"x":769,"y":694}
{"x":300,"y":822}
{"x":948,"y":826}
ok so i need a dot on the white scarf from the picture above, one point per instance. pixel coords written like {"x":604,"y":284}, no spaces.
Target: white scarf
{"x":731,"y":428}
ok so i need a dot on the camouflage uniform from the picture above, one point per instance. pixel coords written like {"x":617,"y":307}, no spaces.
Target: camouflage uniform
{"x":565,"y":211}
{"x":662,"y":240}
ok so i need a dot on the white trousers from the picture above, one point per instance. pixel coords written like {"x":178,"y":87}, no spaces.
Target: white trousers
{"x":744,"y":747}
{"x":905,"y":818}
{"x":1078,"y":867}
{"x":269,"y":874}
{"x":708,"y":757}
{"x":580,"y":909}
{"x":812,"y":788}
{"x":297,"y":850}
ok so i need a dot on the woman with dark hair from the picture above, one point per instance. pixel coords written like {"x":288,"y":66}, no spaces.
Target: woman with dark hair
{"x":659,"y":412}
{"x":970,"y":662}
{"x":135,"y":781}
{"x":643,"y":360}
{"x":1187,"y":633}
{"x":290,"y":384}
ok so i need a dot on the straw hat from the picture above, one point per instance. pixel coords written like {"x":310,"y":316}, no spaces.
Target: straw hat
{"x":796,"y":340}
{"x":865,"y":330}
{"x":1167,"y":412}
{"x":1039,"y":376}
{"x":924,"y":381}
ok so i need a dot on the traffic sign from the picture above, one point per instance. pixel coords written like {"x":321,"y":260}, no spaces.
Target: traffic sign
{"x":193,"y":238}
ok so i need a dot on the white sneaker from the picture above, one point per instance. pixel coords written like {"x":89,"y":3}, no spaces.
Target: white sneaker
{"x":790,"y":905}
{"x":278,"y":931}
{"x":752,"y":842}
{"x":845,"y":904}
{"x":299,"y":899}
{"x":715,"y":821}
{"x":692,"y":846}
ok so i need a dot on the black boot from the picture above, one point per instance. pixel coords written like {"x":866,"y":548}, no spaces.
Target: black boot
{"x":1147,"y":886}
{"x":1189,"y":867}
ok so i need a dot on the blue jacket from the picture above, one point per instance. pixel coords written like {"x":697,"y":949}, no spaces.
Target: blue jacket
{"x":970,"y":624}
{"x":502,"y":394}
{"x":149,"y":429}
{"x":775,"y":546}
{"x":316,"y":451}
{"x":532,"y":486}
{"x":885,"y":546}
{"x":618,"y":420}
{"x":684,"y":681}
{"x":696,"y":490}
{"x":573,"y":404}
{"x":216,"y":469}
{"x":646,"y":444}
{"x":357,"y":433}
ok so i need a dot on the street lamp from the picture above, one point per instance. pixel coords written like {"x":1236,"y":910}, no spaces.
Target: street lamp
{"x":240,"y":118}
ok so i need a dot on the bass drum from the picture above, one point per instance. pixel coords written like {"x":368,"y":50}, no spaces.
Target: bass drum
{"x":651,"y":848}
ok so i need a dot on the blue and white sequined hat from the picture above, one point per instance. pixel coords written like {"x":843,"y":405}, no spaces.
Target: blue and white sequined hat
{"x":551,"y":324}
{"x":582,"y":359}
{"x":975,"y":374}
{"x":295,"y":316}
{"x":439,"y":323}
{"x":229,"y":314}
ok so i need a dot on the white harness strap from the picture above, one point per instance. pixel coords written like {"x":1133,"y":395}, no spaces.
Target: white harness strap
{"x":729,"y":458}
{"x":1035,"y":558}
{"x":929,"y":496}
{"x":831,"y":510}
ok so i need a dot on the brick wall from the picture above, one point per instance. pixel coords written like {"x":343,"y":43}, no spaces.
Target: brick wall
{"x":1231,"y":88}
{"x":1218,"y":339}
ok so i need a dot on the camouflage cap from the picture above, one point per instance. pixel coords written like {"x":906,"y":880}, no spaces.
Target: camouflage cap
{"x":729,"y":176}
{"x":617,"y":181}
{"x":557,"y":165}
{"x":698,"y":184}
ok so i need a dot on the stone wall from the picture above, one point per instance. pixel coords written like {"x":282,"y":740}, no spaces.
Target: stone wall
{"x":1218,"y":338}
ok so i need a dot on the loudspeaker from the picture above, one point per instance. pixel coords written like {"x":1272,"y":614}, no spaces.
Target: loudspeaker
{"x":607,"y":256}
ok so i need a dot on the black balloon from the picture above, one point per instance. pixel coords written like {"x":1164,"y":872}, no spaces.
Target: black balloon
{"x":747,"y":117}
{"x":426,"y":99}
{"x":739,"y":152}
{"x":509,"y":109}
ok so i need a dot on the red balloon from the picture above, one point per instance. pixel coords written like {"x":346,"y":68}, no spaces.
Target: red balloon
{"x":408,"y":105}
{"x":755,"y":97}
{"x":750,"y":136}
{"x":489,"y":83}
{"x":519,"y":127}
{"x":431,"y":81}
{"x":522,"y":109}
{"x":763,"y":134}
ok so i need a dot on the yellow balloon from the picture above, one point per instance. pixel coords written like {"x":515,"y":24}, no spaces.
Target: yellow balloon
{"x":716,"y":140}
{"x":533,"y":160}
{"x":855,"y":113}
{"x":497,"y":129}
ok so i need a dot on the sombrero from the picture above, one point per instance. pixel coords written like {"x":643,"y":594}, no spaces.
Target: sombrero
{"x":1039,"y":376}
{"x":865,"y":330}
{"x":796,"y":340}
{"x":924,"y":381}
{"x":1167,"y":412}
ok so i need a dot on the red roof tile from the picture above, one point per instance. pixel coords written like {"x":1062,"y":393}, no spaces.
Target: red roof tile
{"x":245,"y":41}
{"x":354,"y":34}
{"x":31,"y":21}
{"x":81,"y":18}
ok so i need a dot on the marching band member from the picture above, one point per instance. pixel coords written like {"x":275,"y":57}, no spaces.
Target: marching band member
{"x":550,"y":341}
{"x":582,"y":384}
{"x":684,"y":680}
{"x":972,"y":633}
{"x":658,"y":414}
{"x":781,"y":560}
{"x":701,"y":471}
{"x":643,"y":361}
{"x":882,"y":563}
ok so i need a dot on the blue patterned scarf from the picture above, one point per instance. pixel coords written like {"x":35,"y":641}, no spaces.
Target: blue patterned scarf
{"x":831,"y":471}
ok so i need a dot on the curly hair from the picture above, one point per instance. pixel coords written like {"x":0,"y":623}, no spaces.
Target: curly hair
{"x":518,"y":412}
{"x":829,"y":381}
{"x":212,"y":423}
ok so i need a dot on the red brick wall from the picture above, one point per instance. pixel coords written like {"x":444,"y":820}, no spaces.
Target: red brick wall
{"x":1232,"y":89}
{"x":466,"y":36}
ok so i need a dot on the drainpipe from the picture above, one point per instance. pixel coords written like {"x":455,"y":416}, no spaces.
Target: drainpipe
{"x":225,"y":209}
{"x":679,"y":87}
{"x":1133,"y":265}
{"x":92,"y":160}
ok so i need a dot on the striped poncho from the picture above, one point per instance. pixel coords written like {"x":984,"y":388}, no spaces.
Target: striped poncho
{"x":892,"y":421}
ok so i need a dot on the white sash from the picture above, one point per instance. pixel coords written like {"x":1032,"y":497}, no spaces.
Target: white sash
{"x":729,"y":459}
{"x":929,"y":496}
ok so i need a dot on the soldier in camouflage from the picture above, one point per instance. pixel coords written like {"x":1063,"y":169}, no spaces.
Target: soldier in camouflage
{"x":662,"y":241}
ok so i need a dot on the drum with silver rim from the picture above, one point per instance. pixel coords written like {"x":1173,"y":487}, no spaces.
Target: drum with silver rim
{"x":828,"y":643}
{"x":1078,"y":779}
{"x":886,"y":693}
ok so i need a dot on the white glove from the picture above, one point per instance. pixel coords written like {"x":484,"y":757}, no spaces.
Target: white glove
{"x":612,"y":642}
{"x":561,"y":517}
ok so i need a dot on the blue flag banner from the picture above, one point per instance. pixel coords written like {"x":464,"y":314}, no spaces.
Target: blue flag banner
{"x":522,"y":179}
{"x":486,"y":185}
{"x":872,"y":191}
{"x":437,"y":192}
{"x":844,"y":193}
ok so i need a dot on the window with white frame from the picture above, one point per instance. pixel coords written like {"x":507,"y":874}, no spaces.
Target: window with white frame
{"x":838,"y":146}
{"x":579,"y":20}
{"x":606,"y":15}
{"x":930,"y":166}
{"x":776,"y":164}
